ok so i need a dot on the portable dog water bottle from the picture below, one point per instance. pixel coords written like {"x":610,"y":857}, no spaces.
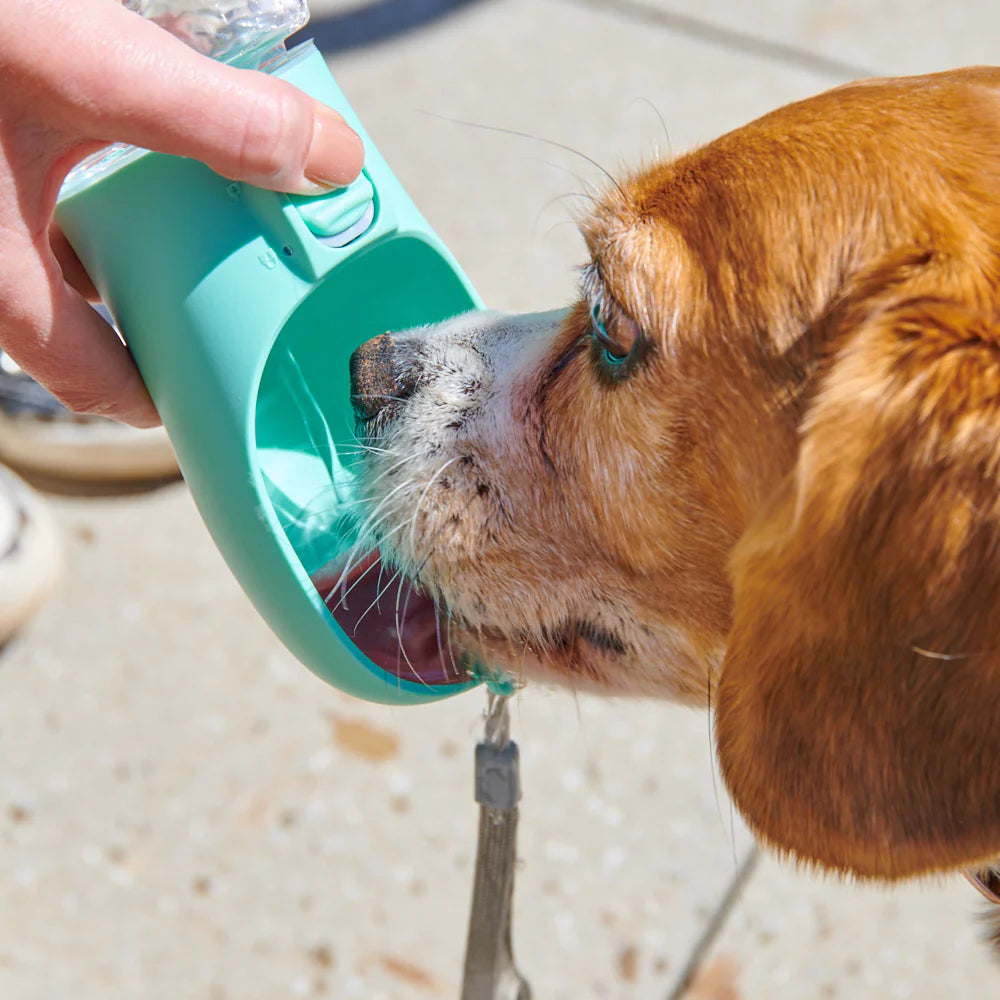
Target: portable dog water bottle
{"x":241,"y":308}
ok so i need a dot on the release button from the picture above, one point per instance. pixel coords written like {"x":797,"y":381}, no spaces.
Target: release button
{"x":341,"y":216}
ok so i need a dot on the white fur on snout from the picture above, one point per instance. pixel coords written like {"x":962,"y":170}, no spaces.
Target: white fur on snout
{"x":463,"y":421}
{"x":458,"y":496}
{"x":516,"y":348}
{"x":474,"y":366}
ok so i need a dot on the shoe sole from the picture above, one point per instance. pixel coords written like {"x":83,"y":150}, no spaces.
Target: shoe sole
{"x":31,"y":565}
{"x":86,"y":451}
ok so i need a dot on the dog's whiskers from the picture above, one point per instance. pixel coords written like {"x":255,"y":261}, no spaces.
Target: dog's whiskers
{"x":423,"y":497}
{"x":352,"y":561}
{"x":400,"y":617}
{"x":365,"y":447}
{"x":399,"y":626}
{"x":660,"y":118}
{"x":368,"y":532}
{"x":389,"y":471}
{"x":411,"y":575}
{"x":378,"y":395}
{"x":365,"y":529}
{"x":534,"y":138}
{"x":378,"y":597}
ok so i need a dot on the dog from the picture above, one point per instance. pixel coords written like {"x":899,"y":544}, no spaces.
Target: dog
{"x":755,"y":465}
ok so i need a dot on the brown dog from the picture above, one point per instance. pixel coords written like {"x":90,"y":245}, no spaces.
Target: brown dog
{"x":757,"y":462}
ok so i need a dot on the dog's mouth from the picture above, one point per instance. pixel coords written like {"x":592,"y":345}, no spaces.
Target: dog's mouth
{"x":396,"y":625}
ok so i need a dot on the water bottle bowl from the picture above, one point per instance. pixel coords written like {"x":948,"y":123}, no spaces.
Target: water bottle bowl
{"x":242,"y":319}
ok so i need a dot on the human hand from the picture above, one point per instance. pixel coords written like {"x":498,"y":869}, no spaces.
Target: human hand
{"x":76,"y":75}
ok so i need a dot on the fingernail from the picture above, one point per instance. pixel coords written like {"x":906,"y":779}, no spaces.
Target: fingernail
{"x":337,"y":154}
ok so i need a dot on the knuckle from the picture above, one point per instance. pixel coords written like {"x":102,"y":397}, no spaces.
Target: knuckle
{"x":276,"y":135}
{"x":80,"y":397}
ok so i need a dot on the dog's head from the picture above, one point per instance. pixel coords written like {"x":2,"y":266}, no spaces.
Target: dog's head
{"x":759,"y":457}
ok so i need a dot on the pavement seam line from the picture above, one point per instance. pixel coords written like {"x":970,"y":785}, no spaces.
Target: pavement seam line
{"x":731,"y":39}
{"x":715,"y":924}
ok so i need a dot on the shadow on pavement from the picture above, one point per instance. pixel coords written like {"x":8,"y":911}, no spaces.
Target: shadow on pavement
{"x":376,"y":22}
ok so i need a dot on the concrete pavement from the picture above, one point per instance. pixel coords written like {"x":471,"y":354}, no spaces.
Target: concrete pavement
{"x":185,"y":812}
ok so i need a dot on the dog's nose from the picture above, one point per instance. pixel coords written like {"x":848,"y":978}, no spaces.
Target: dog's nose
{"x":383,"y":375}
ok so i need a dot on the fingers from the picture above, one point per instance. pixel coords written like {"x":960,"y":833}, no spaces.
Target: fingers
{"x":70,"y":265}
{"x":51,"y":331}
{"x":108,"y":75}
{"x":125,"y":79}
{"x":86,"y":367}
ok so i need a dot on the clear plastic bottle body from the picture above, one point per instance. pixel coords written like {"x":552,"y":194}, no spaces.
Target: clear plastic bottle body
{"x":249,"y":34}
{"x":245,"y":33}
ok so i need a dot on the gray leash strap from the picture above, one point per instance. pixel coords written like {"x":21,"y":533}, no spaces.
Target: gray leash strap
{"x":490,"y":973}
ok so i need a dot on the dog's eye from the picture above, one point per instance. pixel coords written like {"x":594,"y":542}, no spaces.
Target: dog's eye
{"x":616,"y":333}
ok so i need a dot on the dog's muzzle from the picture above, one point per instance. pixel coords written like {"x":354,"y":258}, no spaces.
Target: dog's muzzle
{"x":383,"y":376}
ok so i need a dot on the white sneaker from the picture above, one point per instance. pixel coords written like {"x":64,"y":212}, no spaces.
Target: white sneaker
{"x":29,"y":554}
{"x":43,"y":439}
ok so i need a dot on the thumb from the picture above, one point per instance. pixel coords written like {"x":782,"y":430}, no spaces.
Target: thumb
{"x":130,"y":81}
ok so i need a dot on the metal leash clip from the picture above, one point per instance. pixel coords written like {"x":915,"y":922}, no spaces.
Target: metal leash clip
{"x":490,"y":973}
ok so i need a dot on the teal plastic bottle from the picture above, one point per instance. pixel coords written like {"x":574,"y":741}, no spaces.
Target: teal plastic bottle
{"x":241,"y":308}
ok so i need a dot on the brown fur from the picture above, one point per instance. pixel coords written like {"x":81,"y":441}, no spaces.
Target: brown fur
{"x":830,"y":309}
{"x":803,"y":471}
{"x":841,"y":267}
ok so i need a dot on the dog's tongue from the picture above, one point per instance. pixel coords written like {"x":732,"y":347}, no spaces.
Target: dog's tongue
{"x":395,"y":626}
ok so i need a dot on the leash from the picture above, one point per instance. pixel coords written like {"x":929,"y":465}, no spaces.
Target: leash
{"x":490,"y":973}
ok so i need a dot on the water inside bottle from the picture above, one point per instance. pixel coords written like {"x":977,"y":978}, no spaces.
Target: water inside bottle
{"x":307,"y":452}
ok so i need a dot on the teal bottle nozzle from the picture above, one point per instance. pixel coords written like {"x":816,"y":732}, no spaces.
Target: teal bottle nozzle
{"x":242,"y":308}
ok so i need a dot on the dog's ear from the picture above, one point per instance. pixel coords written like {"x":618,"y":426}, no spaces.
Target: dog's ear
{"x":858,"y":710}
